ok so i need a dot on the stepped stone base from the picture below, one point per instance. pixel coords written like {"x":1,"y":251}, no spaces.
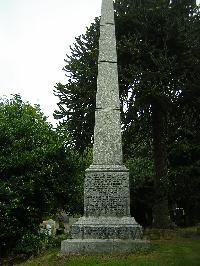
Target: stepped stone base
{"x":105,"y":235}
{"x":86,"y":246}
{"x":106,"y":228}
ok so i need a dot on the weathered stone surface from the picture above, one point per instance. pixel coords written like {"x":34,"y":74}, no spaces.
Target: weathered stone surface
{"x":107,"y":12}
{"x":107,"y":194}
{"x":107,"y":138}
{"x":107,"y":84}
{"x":107,"y":43}
{"x":93,"y":246}
{"x":107,"y":168}
{"x":106,"y":228}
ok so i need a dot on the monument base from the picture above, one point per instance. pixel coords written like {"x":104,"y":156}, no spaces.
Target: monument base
{"x":87,"y":246}
{"x":106,"y":228}
{"x":105,"y":235}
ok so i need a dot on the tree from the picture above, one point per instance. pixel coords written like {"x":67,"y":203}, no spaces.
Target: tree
{"x":37,"y":173}
{"x":158,"y":54}
{"x":77,"y":97}
{"x":158,"y":69}
{"x":184,"y":163}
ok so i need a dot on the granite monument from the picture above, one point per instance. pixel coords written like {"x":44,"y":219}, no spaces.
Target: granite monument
{"x":106,"y":225}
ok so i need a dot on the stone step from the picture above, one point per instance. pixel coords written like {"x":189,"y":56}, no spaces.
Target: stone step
{"x":88,"y":246}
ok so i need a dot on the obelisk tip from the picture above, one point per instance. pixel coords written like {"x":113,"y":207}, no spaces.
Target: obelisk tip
{"x":107,"y":12}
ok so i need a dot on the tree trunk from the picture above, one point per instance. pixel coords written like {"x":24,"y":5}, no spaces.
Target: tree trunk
{"x":161,"y":217}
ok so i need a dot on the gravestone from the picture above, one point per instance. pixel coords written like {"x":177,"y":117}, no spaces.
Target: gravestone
{"x":48,"y":227}
{"x":106,"y":225}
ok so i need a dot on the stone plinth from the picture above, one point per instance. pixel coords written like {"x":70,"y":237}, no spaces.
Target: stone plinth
{"x":92,"y":246}
{"x":106,"y":228}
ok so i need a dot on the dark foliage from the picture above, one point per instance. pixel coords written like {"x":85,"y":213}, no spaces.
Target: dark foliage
{"x":36,"y":173}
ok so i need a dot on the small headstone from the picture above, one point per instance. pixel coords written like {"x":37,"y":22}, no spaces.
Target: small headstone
{"x":48,"y":227}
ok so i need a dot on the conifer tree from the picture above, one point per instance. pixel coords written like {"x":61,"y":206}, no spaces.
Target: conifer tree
{"x":158,"y":48}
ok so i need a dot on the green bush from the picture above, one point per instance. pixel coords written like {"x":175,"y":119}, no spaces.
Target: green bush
{"x":37,"y":175}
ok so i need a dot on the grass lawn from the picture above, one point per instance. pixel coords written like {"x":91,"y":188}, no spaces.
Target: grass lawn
{"x":179,"y":251}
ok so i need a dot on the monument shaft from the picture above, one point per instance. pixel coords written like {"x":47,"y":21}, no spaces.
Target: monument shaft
{"x":107,"y":133}
{"x":107,"y":179}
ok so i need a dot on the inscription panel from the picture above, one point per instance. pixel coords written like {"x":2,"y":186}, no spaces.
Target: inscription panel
{"x":106,"y":232}
{"x":107,"y":194}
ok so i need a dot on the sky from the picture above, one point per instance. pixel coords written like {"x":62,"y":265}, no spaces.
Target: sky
{"x":35,"y":36}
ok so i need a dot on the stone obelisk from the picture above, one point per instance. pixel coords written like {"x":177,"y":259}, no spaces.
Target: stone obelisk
{"x":106,"y":225}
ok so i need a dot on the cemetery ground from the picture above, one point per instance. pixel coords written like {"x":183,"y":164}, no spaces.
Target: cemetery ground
{"x":168,"y":247}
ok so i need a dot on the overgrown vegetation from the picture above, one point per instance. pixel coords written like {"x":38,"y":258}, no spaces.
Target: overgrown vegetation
{"x":37,"y":175}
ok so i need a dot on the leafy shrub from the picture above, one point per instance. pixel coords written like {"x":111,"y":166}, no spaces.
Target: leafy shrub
{"x":37,"y":174}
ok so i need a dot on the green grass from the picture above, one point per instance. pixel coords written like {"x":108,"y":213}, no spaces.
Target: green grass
{"x":178,"y":252}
